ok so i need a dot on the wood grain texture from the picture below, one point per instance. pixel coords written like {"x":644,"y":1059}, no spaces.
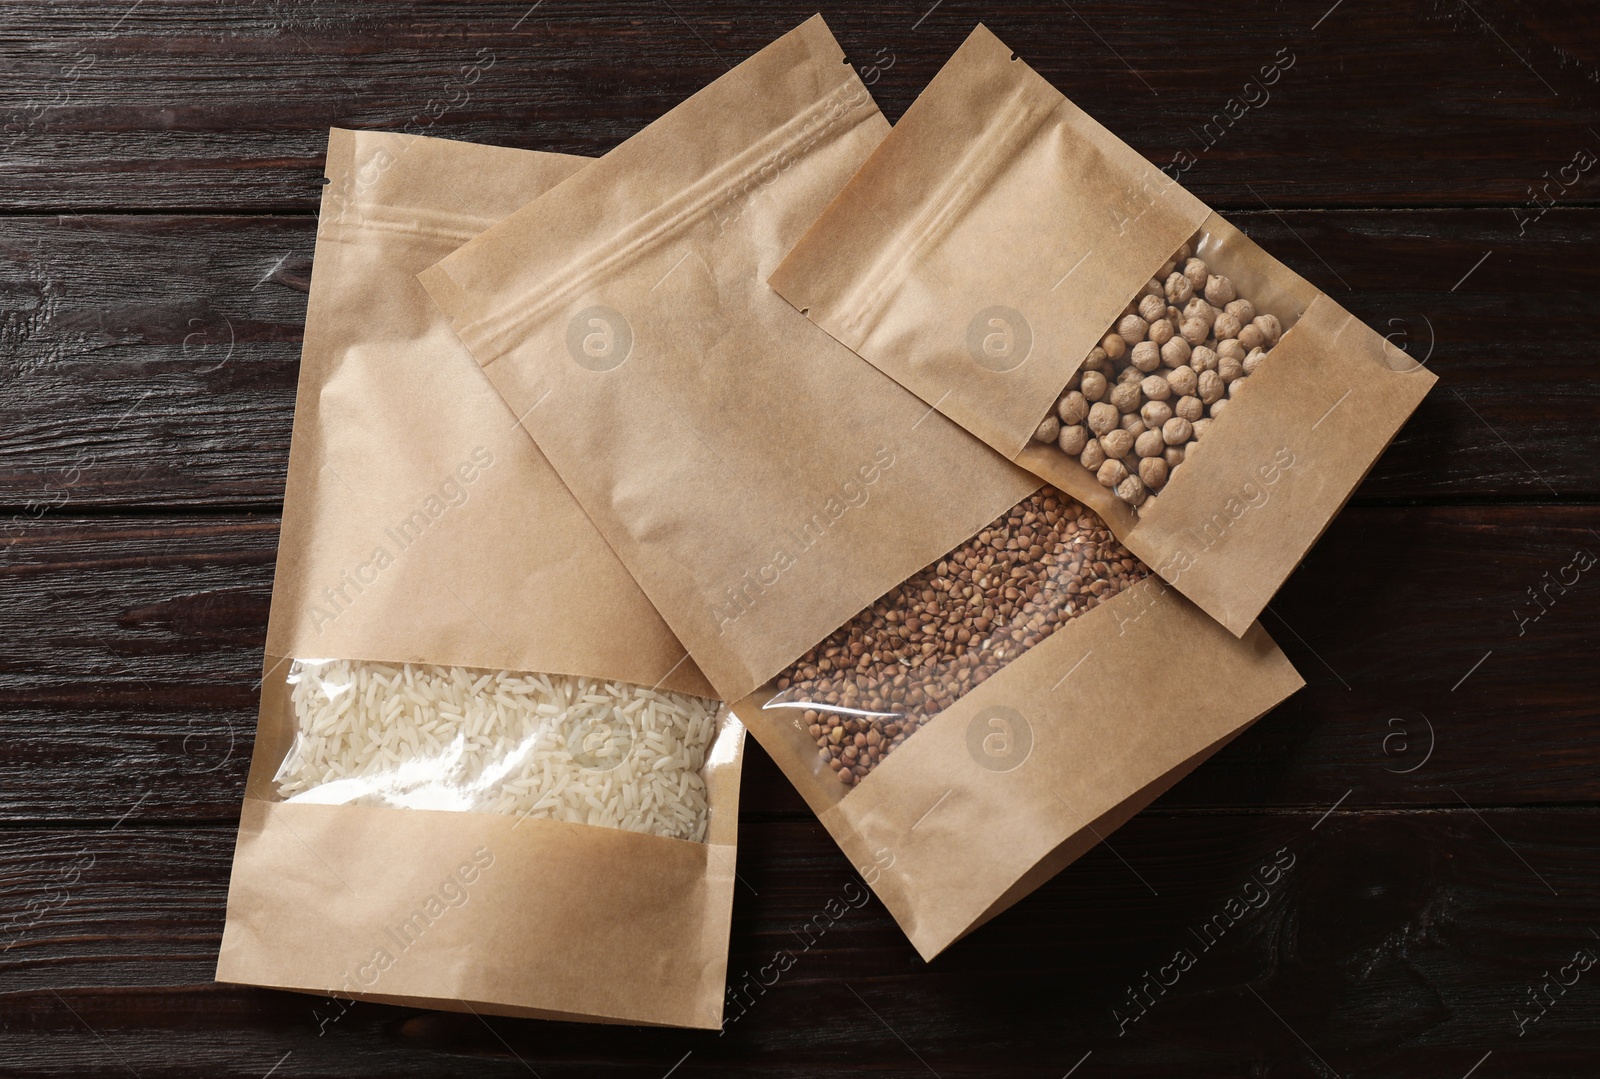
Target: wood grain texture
{"x":179,"y":105}
{"x":135,"y":693}
{"x":151,"y":360}
{"x":1434,"y":784}
{"x":1393,"y":944}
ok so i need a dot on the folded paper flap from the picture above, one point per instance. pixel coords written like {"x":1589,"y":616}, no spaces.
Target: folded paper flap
{"x":759,"y":480}
{"x":583,"y":920}
{"x":1072,"y":729}
{"x":768,"y":111}
{"x":933,"y":271}
{"x":420,"y":524}
{"x":1276,"y":476}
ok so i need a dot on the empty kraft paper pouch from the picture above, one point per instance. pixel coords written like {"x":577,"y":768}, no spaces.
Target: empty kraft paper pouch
{"x":785,"y":505}
{"x":485,"y":776}
{"x":992,"y":243}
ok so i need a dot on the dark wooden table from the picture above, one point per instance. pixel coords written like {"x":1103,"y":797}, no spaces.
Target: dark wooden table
{"x":1435,"y":784}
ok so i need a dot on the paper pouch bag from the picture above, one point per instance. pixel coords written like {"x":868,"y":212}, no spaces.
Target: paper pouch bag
{"x":994,"y":241}
{"x":785,"y":505}
{"x":485,"y":775}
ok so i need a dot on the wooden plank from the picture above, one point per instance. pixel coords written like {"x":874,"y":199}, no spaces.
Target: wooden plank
{"x":171,"y":106}
{"x":134,"y":646}
{"x":1396,"y":943}
{"x":151,"y":360}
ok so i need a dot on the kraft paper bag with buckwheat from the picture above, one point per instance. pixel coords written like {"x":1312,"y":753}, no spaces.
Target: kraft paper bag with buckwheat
{"x":485,"y":776}
{"x":956,"y":669}
{"x":985,"y":257}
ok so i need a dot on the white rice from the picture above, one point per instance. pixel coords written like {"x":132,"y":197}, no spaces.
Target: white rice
{"x":557,"y":747}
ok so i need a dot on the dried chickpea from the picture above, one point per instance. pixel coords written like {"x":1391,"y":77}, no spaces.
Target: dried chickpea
{"x":1073,"y":439}
{"x":1194,"y":330}
{"x":1160,"y":331}
{"x":1241,"y":309}
{"x":1251,"y":336}
{"x":1230,"y":369}
{"x":1195,"y":271}
{"x":1183,"y":381}
{"x":1203,"y":359}
{"x":1178,"y":289}
{"x":1189,"y":408}
{"x":1150,"y":444}
{"x":1217,"y":407}
{"x":1211,"y":387}
{"x":1092,"y":456}
{"x":1231,"y":349}
{"x":1155,"y":413}
{"x":1175,"y":353}
{"x":1220,"y":291}
{"x":1226,"y":327}
{"x":1126,"y":396}
{"x":1114,"y":345}
{"x":1073,"y":406}
{"x":1132,"y":329}
{"x":1048,"y":431}
{"x":1270,"y":328}
{"x":1103,"y":417}
{"x":1153,"y":471}
{"x":1177,"y":431}
{"x":1198,"y":308}
{"x":1146,"y":355}
{"x":1153,"y":306}
{"x":1131,"y":490}
{"x":1117,"y":443}
{"x":1253,"y":361}
{"x":1111,"y":473}
{"x":1173,"y":457}
{"x":1155,"y":388}
{"x":1093,"y":387}
{"x":1200,"y":428}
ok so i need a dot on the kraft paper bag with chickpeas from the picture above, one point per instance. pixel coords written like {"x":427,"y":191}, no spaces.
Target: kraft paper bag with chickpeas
{"x":486,"y":777}
{"x":952,"y":665}
{"x":1035,"y":279}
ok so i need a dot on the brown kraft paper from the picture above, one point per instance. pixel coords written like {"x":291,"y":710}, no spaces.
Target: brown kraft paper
{"x":421,"y":526}
{"x":764,"y":484}
{"x":998,"y":206}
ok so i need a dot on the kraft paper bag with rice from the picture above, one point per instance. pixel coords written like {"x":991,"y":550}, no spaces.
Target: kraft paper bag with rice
{"x":1021,"y":269}
{"x":993,"y":685}
{"x":485,"y":776}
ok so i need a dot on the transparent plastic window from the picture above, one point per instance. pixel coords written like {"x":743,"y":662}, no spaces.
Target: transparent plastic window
{"x":1169,"y":366}
{"x":556,"y":747}
{"x":878,"y":679}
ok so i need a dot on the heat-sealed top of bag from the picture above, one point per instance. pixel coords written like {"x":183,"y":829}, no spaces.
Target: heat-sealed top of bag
{"x":486,"y":775}
{"x":1035,"y":279}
